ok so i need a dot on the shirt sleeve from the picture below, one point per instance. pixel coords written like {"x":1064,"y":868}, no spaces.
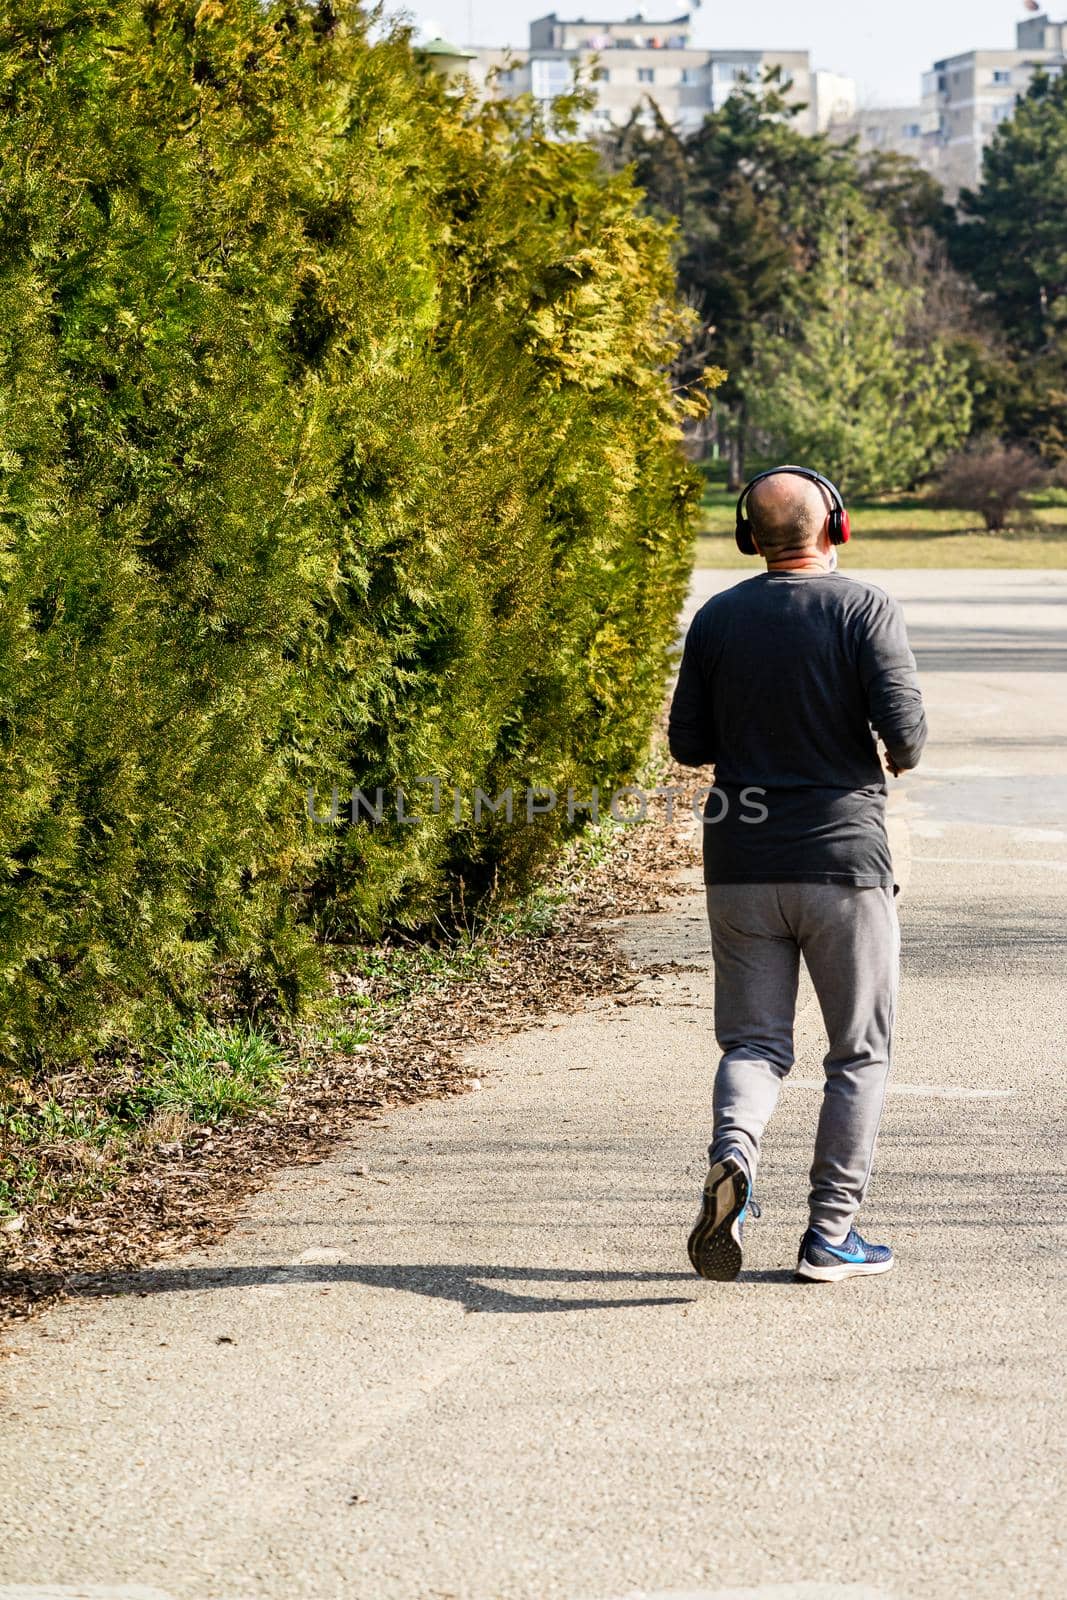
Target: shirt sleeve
{"x":891,"y":684}
{"x":690,"y":730}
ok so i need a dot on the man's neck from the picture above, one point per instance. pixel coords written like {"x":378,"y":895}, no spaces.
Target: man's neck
{"x":810,"y":561}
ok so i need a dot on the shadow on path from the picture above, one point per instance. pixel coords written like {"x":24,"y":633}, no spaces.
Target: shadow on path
{"x":476,"y":1288}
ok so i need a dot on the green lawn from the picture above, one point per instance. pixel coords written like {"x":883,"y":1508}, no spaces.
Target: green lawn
{"x":904,"y":531}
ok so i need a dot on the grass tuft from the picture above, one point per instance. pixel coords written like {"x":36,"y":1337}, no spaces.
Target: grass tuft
{"x":52,"y":1149}
{"x":212,"y":1073}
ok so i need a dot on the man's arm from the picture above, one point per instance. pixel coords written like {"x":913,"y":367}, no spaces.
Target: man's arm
{"x":689,"y":731}
{"x":891,"y":683}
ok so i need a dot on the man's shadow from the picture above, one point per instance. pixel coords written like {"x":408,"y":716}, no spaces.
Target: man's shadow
{"x":476,"y":1288}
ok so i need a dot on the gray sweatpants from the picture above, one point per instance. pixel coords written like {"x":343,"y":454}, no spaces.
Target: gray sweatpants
{"x":850,"y":941}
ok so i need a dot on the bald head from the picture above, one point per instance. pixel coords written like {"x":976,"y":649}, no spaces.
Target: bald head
{"x":787,"y":513}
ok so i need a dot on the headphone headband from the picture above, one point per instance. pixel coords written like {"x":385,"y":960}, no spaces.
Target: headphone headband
{"x":840,"y":529}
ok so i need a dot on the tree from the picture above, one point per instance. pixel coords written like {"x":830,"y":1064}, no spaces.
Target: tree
{"x":842,"y":382}
{"x":908,"y":196}
{"x":759,"y":259}
{"x":746,"y":188}
{"x":339,"y":448}
{"x":1012,"y":240}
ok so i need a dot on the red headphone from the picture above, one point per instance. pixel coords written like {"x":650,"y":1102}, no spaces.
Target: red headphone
{"x":840,"y":529}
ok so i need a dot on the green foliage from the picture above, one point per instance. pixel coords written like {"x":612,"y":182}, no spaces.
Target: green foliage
{"x":213,"y":1073}
{"x":337,"y":447}
{"x":844,"y":383}
{"x":1012,"y":239}
{"x":348,"y":1039}
{"x":910,"y":198}
{"x":748,"y":190}
{"x":810,"y":265}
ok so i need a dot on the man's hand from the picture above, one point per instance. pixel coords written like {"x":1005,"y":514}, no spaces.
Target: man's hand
{"x":891,"y":766}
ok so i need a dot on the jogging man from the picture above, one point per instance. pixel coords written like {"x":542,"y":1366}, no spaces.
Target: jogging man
{"x":785,"y":681}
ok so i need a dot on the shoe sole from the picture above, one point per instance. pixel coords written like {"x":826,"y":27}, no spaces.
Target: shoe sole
{"x":806,"y":1273}
{"x":714,"y":1249}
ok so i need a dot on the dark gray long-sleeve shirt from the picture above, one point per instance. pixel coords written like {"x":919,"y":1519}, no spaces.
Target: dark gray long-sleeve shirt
{"x":785,"y":681}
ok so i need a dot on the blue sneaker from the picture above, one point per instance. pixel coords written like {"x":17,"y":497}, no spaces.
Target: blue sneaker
{"x":715,"y":1242}
{"x":822,"y":1262}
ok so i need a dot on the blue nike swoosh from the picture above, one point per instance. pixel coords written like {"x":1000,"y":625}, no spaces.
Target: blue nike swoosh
{"x":842,"y":1255}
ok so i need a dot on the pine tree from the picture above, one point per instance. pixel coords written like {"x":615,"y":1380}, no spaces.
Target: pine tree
{"x":1012,"y":239}
{"x":845,"y":383}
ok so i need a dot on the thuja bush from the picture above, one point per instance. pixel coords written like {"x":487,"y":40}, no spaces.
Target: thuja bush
{"x":337,"y":449}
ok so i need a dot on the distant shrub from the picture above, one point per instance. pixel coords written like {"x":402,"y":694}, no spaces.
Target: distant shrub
{"x":990,"y":478}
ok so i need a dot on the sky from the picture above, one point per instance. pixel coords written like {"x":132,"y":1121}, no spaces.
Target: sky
{"x":885,"y":45}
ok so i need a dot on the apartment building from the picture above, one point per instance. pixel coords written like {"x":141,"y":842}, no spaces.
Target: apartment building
{"x":900,"y":129}
{"x":638,"y":60}
{"x":1039,"y":33}
{"x":965,"y":98}
{"x":834,"y":98}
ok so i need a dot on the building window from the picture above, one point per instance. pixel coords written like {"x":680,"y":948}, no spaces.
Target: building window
{"x":1002,"y":75}
{"x":911,"y":130}
{"x":736,"y":71}
{"x":646,"y":74}
{"x":549,"y":78}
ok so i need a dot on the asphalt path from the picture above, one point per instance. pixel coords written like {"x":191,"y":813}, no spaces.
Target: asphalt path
{"x":465,"y":1356}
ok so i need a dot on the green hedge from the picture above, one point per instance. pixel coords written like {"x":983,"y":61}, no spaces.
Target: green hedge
{"x":337,"y":447}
